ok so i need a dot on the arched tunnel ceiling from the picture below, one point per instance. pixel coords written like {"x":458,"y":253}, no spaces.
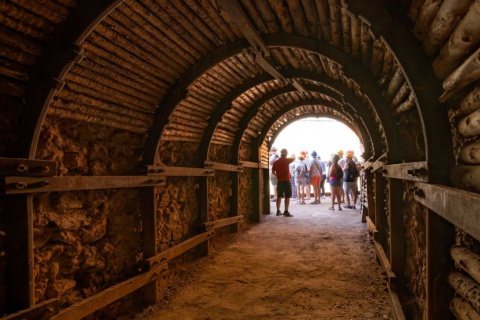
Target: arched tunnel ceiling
{"x":192,"y":71}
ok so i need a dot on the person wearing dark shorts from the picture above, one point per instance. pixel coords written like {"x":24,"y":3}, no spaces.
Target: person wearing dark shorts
{"x":281,"y":170}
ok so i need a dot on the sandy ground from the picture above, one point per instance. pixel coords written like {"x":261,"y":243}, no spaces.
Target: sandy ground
{"x":319,"y":264}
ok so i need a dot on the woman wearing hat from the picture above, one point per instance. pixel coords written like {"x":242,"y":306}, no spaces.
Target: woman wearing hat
{"x":335,"y":180}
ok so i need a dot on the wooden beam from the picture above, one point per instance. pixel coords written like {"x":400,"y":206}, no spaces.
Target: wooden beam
{"x":413,"y":171}
{"x":42,"y":311}
{"x":461,"y":208}
{"x":397,"y":234}
{"x":249,"y":164}
{"x":23,"y":185}
{"x":180,"y":248}
{"x":223,"y":166}
{"x":180,"y":171}
{"x":395,"y":304}
{"x":27,"y":167}
{"x":382,"y":257}
{"x":19,"y":273}
{"x":222,"y":222}
{"x":104,"y":298}
{"x":380,"y":162}
{"x":440,"y":236}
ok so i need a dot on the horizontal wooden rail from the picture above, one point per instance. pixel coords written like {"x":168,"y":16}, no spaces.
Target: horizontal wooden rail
{"x":180,"y":171}
{"x":222,"y":222}
{"x":249,"y":164}
{"x":264,"y":166}
{"x":178,"y":249}
{"x":27,"y":167}
{"x":380,"y":162}
{"x":460,"y":207}
{"x":104,"y":298}
{"x":413,"y":171}
{"x":19,"y":185}
{"x":223,"y":166}
{"x":41,"y":311}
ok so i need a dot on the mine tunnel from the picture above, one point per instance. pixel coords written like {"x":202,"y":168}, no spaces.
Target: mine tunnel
{"x":135,"y":132}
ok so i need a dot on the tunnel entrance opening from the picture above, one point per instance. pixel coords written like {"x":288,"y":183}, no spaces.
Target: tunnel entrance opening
{"x":323,"y":135}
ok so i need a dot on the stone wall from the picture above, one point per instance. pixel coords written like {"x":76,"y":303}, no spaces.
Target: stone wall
{"x":86,"y":241}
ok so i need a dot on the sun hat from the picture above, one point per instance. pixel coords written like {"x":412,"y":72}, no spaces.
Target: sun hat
{"x":301,"y":156}
{"x":336,"y":157}
{"x":340,"y":152}
{"x":314,"y":153}
{"x":273,"y":148}
{"x":349,"y":155}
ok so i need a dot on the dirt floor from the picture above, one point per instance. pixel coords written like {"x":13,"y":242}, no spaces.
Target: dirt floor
{"x":319,"y":264}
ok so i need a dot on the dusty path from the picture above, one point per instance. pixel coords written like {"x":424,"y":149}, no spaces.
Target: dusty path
{"x":320,"y":264}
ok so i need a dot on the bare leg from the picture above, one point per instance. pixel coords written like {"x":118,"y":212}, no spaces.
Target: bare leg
{"x":279,"y":200}
{"x":287,"y":203}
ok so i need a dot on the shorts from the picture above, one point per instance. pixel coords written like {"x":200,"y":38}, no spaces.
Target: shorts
{"x":315,"y":180}
{"x":335,"y":183}
{"x":273,"y":179}
{"x":307,"y":176}
{"x":300,"y":182}
{"x":284,"y":189}
{"x":347,"y":186}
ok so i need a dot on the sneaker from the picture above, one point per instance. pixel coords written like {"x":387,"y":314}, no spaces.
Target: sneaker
{"x":273,"y":200}
{"x":287,"y":214}
{"x":314,"y":202}
{"x":353,"y":207}
{"x":279,"y":213}
{"x":303,"y":202}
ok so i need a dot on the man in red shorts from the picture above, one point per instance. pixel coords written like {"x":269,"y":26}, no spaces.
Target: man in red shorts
{"x":280,"y":168}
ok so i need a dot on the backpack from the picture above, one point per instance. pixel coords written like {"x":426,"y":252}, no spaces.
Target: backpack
{"x":303,"y":171}
{"x":339,"y":173}
{"x":352,"y":172}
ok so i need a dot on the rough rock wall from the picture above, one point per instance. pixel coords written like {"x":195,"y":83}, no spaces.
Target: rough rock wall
{"x":220,"y":186}
{"x":86,"y":241}
{"x":415,"y":251}
{"x":247,"y":195}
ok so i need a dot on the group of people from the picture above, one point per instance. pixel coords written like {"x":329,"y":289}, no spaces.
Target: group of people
{"x":295,"y":178}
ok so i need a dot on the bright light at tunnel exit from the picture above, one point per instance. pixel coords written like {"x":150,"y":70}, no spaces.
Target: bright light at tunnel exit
{"x":324,"y":135}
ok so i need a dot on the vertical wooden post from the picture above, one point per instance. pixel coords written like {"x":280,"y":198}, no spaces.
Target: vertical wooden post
{"x":370,"y":194}
{"x":203,"y":210}
{"x":266,"y":191}
{"x":440,"y":238}
{"x":380,"y":216}
{"x":19,"y":253}
{"x":235,"y":199}
{"x":149,"y":234}
{"x":397,"y":235}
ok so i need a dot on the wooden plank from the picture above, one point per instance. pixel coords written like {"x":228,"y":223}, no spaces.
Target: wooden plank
{"x":223,"y":166}
{"x":27,"y":167}
{"x":222,"y":222}
{"x":41,"y":311}
{"x":180,"y":171}
{"x":440,"y":236}
{"x":104,"y":298}
{"x":395,"y":305}
{"x":413,"y":171}
{"x":19,"y":274}
{"x":249,"y":164}
{"x":19,"y":185}
{"x":460,"y":207}
{"x":371,"y":225}
{"x":380,"y":162}
{"x":384,"y":262}
{"x":264,"y":166}
{"x":397,"y":233}
{"x":180,"y":248}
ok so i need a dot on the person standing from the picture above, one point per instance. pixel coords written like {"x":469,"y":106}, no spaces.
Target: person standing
{"x":315,"y":177}
{"x":273,"y":157}
{"x":291,"y":166}
{"x":280,"y":169}
{"x":350,"y":177}
{"x":341,"y":163}
{"x":301,"y":178}
{"x":335,"y":179}
{"x":324,"y":176}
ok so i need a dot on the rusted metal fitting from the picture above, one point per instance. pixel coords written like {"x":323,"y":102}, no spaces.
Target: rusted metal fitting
{"x":45,"y":169}
{"x":21,"y":185}
{"x":22,"y":168}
